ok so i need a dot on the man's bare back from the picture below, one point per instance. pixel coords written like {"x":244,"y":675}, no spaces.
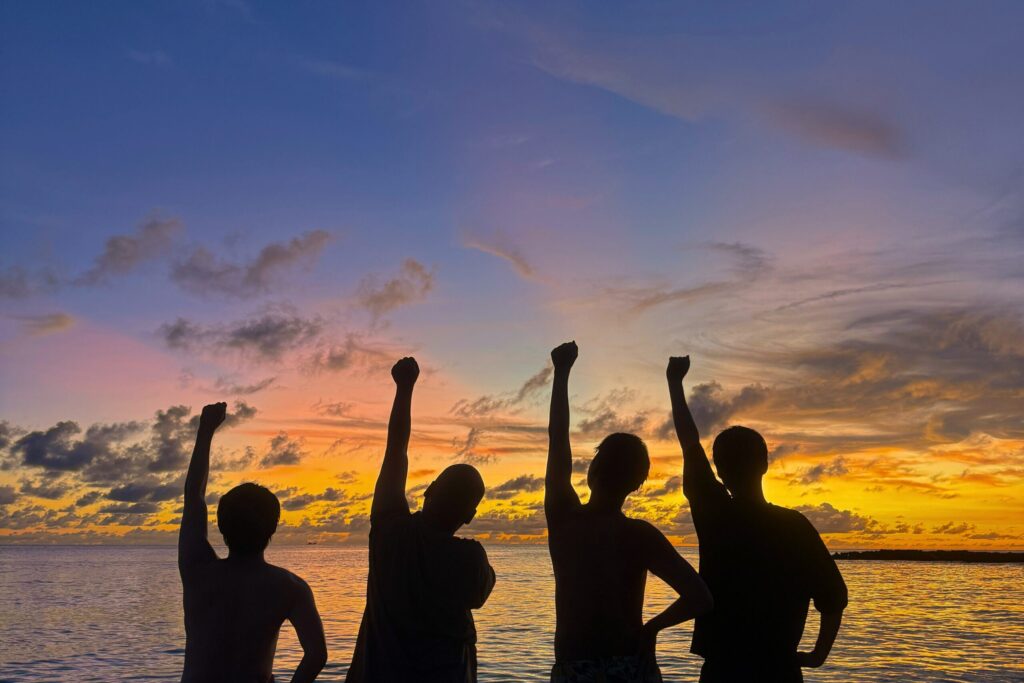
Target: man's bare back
{"x":234,"y":607}
{"x":233,"y":613}
{"x":601,"y":557}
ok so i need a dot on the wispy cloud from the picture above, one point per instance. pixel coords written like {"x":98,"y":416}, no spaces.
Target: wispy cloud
{"x":157,"y":58}
{"x":123,"y":254}
{"x":203,"y":273}
{"x":331,"y":69}
{"x":494,"y":403}
{"x":45,"y":324}
{"x":837,"y":126}
{"x":500,"y":246}
{"x":410,"y":285}
{"x":266,"y":337}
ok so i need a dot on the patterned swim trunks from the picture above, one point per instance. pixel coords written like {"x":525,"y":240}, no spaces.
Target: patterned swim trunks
{"x":632,"y":669}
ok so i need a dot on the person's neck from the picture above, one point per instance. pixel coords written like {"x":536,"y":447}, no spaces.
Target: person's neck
{"x":440,"y":524}
{"x":752,"y":493}
{"x":605,"y":502}
{"x":246,"y":558}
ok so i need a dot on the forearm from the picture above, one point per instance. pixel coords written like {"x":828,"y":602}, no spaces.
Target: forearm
{"x":683,"y":609}
{"x":827,"y":632}
{"x":686,"y":428}
{"x":199,"y":467}
{"x":400,"y":424}
{"x":559,"y":448}
{"x":309,"y":667}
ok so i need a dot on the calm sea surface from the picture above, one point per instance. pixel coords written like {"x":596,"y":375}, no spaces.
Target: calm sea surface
{"x":114,"y":614}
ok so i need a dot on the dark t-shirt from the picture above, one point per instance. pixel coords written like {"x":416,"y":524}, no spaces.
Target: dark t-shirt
{"x":763,"y":565}
{"x":417,"y":625}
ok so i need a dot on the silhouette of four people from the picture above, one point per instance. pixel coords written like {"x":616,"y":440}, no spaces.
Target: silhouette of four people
{"x":761,"y":565}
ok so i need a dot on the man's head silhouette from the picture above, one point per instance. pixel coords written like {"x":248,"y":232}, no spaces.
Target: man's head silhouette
{"x":620,"y":466}
{"x":247,"y":517}
{"x":741,"y":458}
{"x":452,"y":497}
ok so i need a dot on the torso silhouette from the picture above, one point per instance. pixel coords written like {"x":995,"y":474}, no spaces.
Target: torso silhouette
{"x":422,"y":584}
{"x":600,"y":559}
{"x":763,"y":564}
{"x":234,"y":609}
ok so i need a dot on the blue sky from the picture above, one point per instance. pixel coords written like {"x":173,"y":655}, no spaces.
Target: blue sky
{"x":796,"y":193}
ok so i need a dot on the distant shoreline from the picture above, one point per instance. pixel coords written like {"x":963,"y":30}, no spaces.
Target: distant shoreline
{"x":932,"y":556}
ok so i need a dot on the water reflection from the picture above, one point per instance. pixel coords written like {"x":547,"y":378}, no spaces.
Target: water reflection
{"x":62,"y":617}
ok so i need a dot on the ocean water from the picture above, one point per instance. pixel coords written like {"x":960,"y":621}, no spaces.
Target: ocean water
{"x":114,"y":614}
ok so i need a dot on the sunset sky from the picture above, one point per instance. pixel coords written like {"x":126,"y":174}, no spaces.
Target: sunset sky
{"x":268,"y":203}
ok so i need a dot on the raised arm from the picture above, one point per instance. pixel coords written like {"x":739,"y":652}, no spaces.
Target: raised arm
{"x":310,"y":630}
{"x":694,"y":597}
{"x":193,"y":546}
{"x":389,"y":493}
{"x":697,"y":474}
{"x":558,"y":491}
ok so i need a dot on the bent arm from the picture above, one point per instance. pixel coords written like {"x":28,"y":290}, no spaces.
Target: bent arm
{"x":694,"y":596}
{"x":558,"y":491}
{"x":193,"y":546}
{"x":389,"y":492}
{"x":827,"y":632}
{"x":305,"y":618}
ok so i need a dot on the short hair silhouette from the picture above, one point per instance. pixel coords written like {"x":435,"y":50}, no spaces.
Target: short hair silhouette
{"x":740,"y":454}
{"x":620,"y":465}
{"x":455,"y":494}
{"x":247,"y":517}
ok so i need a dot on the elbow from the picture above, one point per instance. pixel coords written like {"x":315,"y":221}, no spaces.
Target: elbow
{"x":703,"y":602}
{"x":316,"y":658}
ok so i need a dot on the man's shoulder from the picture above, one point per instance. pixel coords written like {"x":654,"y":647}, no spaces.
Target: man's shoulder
{"x":469,"y":546}
{"x":793,"y":520}
{"x":642,"y":528}
{"x":286,"y":579}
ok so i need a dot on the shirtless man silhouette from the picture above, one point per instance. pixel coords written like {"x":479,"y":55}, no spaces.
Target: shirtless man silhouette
{"x":601,"y":557}
{"x":423,"y":580}
{"x":234,"y":607}
{"x":763,"y":563}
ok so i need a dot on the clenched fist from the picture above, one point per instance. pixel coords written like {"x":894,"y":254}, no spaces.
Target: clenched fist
{"x":678,"y":366}
{"x":564,"y":356}
{"x":405,"y":372}
{"x":212,"y":417}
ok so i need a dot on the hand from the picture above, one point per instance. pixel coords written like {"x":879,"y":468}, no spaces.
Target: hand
{"x":405,"y":372}
{"x":648,"y":639}
{"x":809,"y":660}
{"x":564,"y":356}
{"x":212,"y":417}
{"x":677,"y":368}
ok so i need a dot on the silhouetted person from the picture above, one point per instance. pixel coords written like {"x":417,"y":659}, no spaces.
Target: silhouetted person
{"x":601,"y":557}
{"x":763,"y":563}
{"x":423,"y":581}
{"x":234,"y":607}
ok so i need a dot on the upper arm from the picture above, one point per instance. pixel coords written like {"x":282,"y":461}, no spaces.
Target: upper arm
{"x":699,"y":482}
{"x":479,"y":577}
{"x":193,"y":546}
{"x":305,"y":618}
{"x":389,"y":491}
{"x":828,"y":589}
{"x":667,"y":564}
{"x":559,"y":494}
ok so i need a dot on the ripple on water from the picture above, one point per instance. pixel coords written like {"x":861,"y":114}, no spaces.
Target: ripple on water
{"x":114,"y":614}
